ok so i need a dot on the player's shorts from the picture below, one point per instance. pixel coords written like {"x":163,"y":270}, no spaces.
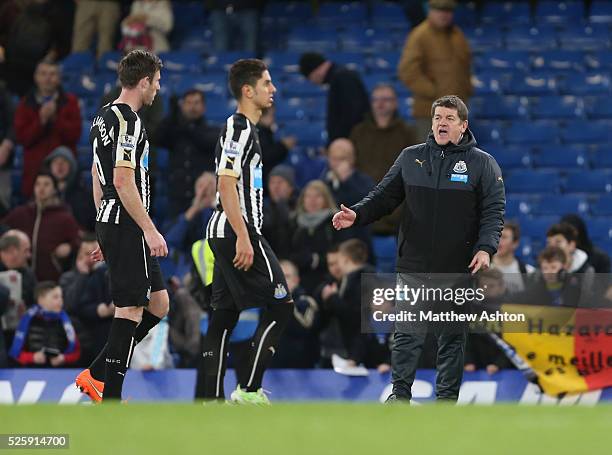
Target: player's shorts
{"x":134,"y":273}
{"x":260,"y":286}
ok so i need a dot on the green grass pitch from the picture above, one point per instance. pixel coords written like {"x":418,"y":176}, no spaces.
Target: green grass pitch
{"x":316,"y":429}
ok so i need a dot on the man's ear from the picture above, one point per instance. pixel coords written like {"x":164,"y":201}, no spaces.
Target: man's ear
{"x":465,"y":126}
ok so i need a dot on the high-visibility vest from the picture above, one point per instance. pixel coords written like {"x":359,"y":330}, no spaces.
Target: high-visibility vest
{"x":204,"y":260}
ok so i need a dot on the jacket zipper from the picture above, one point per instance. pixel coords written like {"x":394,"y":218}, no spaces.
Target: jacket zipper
{"x":435,"y":218}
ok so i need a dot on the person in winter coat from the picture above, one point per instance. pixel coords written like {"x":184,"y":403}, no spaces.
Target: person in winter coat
{"x":50,"y":225}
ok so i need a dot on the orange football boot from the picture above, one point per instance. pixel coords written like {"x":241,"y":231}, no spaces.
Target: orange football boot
{"x":90,"y":386}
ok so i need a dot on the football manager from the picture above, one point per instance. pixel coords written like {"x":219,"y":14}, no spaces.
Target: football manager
{"x":453,"y":215}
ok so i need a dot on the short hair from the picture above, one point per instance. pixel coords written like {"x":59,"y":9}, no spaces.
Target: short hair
{"x":43,"y":288}
{"x":568,"y":231}
{"x":8,"y":241}
{"x":323,"y":189}
{"x":552,"y":253}
{"x":46,"y":173}
{"x":356,"y":250}
{"x":195,"y":91}
{"x":137,"y":65}
{"x":245,"y":72}
{"x":385,"y":85}
{"x":451,"y":102}
{"x":515,"y":228}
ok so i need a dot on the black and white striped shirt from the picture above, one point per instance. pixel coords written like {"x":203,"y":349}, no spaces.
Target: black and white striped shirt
{"x":119,"y":139}
{"x":238,"y":154}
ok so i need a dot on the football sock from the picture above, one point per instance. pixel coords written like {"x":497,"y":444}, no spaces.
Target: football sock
{"x":118,"y":353}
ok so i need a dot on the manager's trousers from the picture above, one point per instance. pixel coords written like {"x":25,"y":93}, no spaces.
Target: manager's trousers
{"x":407,"y":350}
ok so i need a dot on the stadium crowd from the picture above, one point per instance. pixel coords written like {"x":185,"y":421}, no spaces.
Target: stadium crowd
{"x":55,"y":300}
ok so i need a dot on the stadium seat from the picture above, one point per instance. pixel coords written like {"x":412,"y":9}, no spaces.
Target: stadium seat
{"x":531,"y":37}
{"x":466,"y":15}
{"x":511,"y":157}
{"x":565,"y":157}
{"x":547,"y":181}
{"x":486,"y":132}
{"x":601,"y":11}
{"x":287,"y":110}
{"x":525,"y":132}
{"x":534,"y":84}
{"x":283,"y":61}
{"x":518,"y":205}
{"x":487,"y":83}
{"x":384,"y":62}
{"x":506,"y":13}
{"x":535,"y":228}
{"x":306,"y":168}
{"x":298,"y":86}
{"x":219,"y":108}
{"x":503,"y":60}
{"x":352,"y":60}
{"x":585,"y":37}
{"x":181,"y":61}
{"x":602,"y":156}
{"x":498,"y":108}
{"x":109,"y":61}
{"x":556,"y":107}
{"x":366,"y":39}
{"x":484,"y":38}
{"x":287,"y":12}
{"x":188,"y":15}
{"x":385,"y":250}
{"x":221,"y":62}
{"x":559,"y":60}
{"x":599,"y":60}
{"x":600,"y":228}
{"x":388,"y":14}
{"x":586,"y":132}
{"x":597,"y":108}
{"x":606,"y":245}
{"x":78,"y":63}
{"x":207,"y":83}
{"x":353,"y":13}
{"x":307,"y":38}
{"x":554,"y":204}
{"x":309,"y":133}
{"x":585,"y":84}
{"x":193,"y":40}
{"x":555,"y":12}
{"x":602,"y":206}
{"x":596,"y":181}
{"x":163,"y":159}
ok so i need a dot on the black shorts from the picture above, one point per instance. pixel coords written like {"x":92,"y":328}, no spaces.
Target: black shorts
{"x":262,"y":285}
{"x":134,"y":273}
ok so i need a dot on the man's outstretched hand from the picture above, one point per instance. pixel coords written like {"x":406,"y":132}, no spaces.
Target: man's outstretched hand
{"x":344,"y":218}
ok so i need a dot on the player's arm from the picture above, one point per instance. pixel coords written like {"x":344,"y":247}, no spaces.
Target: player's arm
{"x":96,"y":187}
{"x":231,"y":206}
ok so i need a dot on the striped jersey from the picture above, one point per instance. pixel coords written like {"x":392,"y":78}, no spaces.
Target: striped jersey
{"x":238,"y":154}
{"x":119,"y":139}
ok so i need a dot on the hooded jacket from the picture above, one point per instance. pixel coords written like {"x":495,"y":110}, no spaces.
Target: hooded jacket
{"x":454,"y":204}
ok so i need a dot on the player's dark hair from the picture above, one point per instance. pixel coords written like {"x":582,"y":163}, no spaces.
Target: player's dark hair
{"x":552,"y":253}
{"x":9,"y":241}
{"x":43,"y":288}
{"x":568,"y":231}
{"x":137,"y":65}
{"x":195,"y":91}
{"x":515,"y":228}
{"x":356,"y":250}
{"x":451,"y":102}
{"x":245,"y":72}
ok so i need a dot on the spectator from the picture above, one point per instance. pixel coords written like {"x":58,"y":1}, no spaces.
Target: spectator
{"x":348,"y":185}
{"x":50,"y":225}
{"x":32,"y":32}
{"x":45,"y":336}
{"x":188,"y":228}
{"x":234,"y":24}
{"x":15,"y":252}
{"x":564,"y":236}
{"x":279,"y":209}
{"x":62,"y":165}
{"x":147,"y":26}
{"x":313,"y":233}
{"x":191,"y":142}
{"x":435,"y":62}
{"x":597,"y":257}
{"x":184,"y":322}
{"x":95,"y":18}
{"x":299,"y":345}
{"x":378,"y":141}
{"x":86,"y":290}
{"x":7,"y":141}
{"x":505,"y":260}
{"x":481,"y":351}
{"x":347,"y":98}
{"x":274,"y":152}
{"x":46,"y":118}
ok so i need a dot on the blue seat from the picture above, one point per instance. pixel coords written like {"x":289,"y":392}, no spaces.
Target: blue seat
{"x":605,"y":245}
{"x":585,"y":84}
{"x":194,"y":40}
{"x":221,"y":62}
{"x":353,"y":12}
{"x":535,"y":228}
{"x":601,"y":11}
{"x":283,"y":61}
{"x":553,"y":204}
{"x":366,"y":39}
{"x":599,"y":60}
{"x":290,"y":109}
{"x":487,"y":83}
{"x":109,"y":61}
{"x":504,"y":60}
{"x":559,"y":12}
{"x":84,"y":138}
{"x":506,"y":13}
{"x":531,"y":37}
{"x":307,"y":168}
{"x":308,"y":133}
{"x":387,"y":13}
{"x":352,"y":60}
{"x":219,"y":107}
{"x":305,"y":39}
{"x":556,"y":107}
{"x":586,"y":132}
{"x":533,"y":182}
{"x":466,"y":15}
{"x":315,"y":108}
{"x":79,"y":62}
{"x":539,"y":132}
{"x":597,"y":181}
{"x":602,"y":156}
{"x":511,"y":157}
{"x":602,"y":206}
{"x":600,"y":228}
{"x":534,"y":84}
{"x":596,"y":108}
{"x":499,"y":107}
{"x":207,"y":83}
{"x":559,"y":60}
{"x":484,"y":38}
{"x":188,"y":14}
{"x":181,"y":61}
{"x":585,"y":37}
{"x":294,"y":12}
{"x":163,"y":159}
{"x":487,"y":132}
{"x":298,"y":86}
{"x":566,"y":157}
{"x":384,"y":62}
{"x":385,"y":249}
{"x":518,"y":205}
